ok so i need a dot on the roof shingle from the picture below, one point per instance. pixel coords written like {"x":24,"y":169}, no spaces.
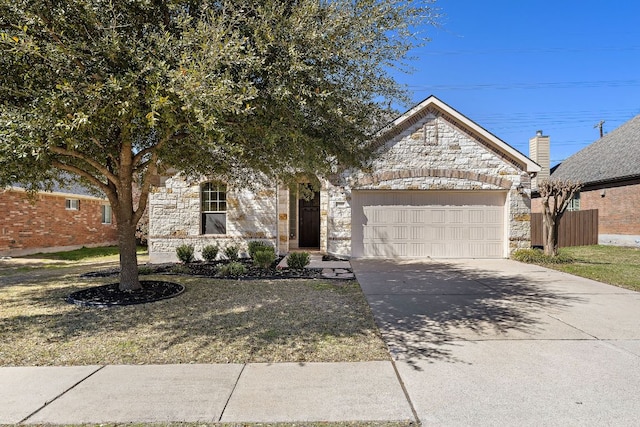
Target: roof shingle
{"x":613,"y":157}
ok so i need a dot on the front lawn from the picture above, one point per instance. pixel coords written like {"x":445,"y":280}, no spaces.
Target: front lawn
{"x":619,"y":266}
{"x":213,"y":321}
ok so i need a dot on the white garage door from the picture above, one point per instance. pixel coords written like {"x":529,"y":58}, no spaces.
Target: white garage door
{"x":437,"y":224}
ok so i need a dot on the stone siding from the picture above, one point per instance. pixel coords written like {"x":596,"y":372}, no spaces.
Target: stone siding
{"x":175,"y":219}
{"x":433,"y":154}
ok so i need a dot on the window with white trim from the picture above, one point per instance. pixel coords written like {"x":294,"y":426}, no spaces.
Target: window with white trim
{"x":574,"y":203}
{"x":213,"y":202}
{"x":106,"y":214}
{"x":72,"y":204}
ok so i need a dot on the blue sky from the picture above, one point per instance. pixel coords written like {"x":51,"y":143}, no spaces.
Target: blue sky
{"x":518,"y":66}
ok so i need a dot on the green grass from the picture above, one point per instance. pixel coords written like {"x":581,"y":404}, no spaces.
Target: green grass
{"x":82,"y":253}
{"x":619,"y":266}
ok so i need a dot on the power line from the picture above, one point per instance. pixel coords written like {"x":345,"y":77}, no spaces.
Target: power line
{"x":526,"y":86}
{"x":426,"y":51}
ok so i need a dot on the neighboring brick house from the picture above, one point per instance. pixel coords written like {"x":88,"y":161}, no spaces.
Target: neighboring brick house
{"x":439,"y":186}
{"x":609,"y":170}
{"x":63,"y":219}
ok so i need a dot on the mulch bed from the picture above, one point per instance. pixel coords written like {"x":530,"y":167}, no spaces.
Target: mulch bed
{"x":153,"y":290}
{"x":111,"y":295}
{"x":210,"y":269}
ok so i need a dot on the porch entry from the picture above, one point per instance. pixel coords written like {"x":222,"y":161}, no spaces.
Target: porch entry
{"x":309,"y":222}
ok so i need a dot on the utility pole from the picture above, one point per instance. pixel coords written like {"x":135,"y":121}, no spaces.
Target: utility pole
{"x":599,"y":125}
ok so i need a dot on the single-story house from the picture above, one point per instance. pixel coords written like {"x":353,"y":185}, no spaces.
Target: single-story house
{"x":440,"y":186}
{"x":609,"y":170}
{"x":63,"y":219}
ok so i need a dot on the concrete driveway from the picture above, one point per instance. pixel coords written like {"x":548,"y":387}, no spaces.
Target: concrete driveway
{"x":497,"y":342}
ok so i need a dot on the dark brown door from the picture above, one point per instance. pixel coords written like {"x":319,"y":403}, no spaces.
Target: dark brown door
{"x":309,"y":222}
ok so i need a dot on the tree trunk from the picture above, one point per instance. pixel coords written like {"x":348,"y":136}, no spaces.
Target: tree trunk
{"x":550,"y":244}
{"x":126,"y":222}
{"x":129,"y":280}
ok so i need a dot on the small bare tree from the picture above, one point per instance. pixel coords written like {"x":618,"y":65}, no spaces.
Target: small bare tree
{"x":556,"y":196}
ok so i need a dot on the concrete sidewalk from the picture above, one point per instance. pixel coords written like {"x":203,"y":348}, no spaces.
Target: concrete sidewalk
{"x":281,"y":392}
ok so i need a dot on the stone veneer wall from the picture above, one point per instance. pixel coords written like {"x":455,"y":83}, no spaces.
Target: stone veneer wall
{"x":433,"y":154}
{"x":175,"y":218}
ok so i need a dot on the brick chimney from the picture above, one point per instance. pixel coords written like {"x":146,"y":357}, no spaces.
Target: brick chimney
{"x":539,"y":148}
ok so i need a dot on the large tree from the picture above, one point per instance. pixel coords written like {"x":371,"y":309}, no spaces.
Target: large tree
{"x":556,"y":196}
{"x":111,"y":93}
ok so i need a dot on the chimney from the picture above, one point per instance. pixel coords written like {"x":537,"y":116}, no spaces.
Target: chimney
{"x":539,"y":148}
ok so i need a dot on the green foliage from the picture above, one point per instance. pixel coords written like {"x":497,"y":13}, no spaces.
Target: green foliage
{"x":264,"y":257}
{"x":200,"y":86}
{"x":185,"y":253}
{"x":145,"y":270}
{"x":210,"y":252}
{"x":232,"y":252}
{"x":111,"y":93}
{"x":233,"y":269}
{"x":180,"y":269}
{"x":537,"y":256}
{"x":257,"y":245}
{"x":298,"y":260}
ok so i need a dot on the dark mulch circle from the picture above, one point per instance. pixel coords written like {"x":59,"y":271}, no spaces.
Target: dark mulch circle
{"x":110,"y":295}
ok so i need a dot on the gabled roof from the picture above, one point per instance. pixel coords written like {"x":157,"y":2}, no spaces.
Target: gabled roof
{"x":614,"y":157}
{"x":433,"y":105}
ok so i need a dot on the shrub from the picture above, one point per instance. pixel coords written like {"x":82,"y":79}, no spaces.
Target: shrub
{"x":143,"y":269}
{"x":264,"y":257}
{"x":231,"y":252}
{"x":537,"y":256}
{"x":257,"y":245}
{"x":298,"y":260}
{"x":232,"y":269}
{"x":185,"y":253}
{"x":180,"y":269}
{"x":210,"y":252}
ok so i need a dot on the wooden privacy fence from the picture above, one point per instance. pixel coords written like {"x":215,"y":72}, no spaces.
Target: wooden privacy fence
{"x":577,"y":228}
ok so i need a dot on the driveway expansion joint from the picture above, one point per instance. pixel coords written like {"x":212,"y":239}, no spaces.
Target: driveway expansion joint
{"x":574,"y":327}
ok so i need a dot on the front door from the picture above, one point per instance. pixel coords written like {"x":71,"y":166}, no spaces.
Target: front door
{"x":309,"y":222}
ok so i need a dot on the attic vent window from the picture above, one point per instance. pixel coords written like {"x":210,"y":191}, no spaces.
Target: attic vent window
{"x":430,"y":133}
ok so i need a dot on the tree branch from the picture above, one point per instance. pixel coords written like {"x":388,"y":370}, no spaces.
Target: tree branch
{"x":59,"y":41}
{"x":145,"y":188}
{"x":95,"y":181}
{"x":97,"y":166}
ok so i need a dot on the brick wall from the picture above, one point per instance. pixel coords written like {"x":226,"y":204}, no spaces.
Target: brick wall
{"x":46,"y":225}
{"x":617,"y":209}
